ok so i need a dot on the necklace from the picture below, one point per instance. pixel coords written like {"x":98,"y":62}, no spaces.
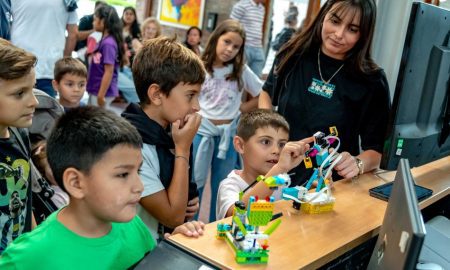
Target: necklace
{"x":322,"y":87}
{"x":320,"y":72}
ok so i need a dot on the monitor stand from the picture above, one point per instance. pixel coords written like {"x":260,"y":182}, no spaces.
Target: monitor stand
{"x":436,"y":245}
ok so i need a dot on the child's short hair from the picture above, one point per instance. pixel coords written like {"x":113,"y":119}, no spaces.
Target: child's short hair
{"x":69,"y":65}
{"x":15,"y":62}
{"x":83,"y":135}
{"x":251,"y":121}
{"x":165,"y":62}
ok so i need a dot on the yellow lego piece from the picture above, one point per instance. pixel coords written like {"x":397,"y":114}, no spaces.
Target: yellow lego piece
{"x":333,"y":130}
{"x":308,"y":162}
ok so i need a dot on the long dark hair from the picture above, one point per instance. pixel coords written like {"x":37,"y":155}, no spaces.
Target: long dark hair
{"x":113,"y":24}
{"x":135,"y":29}
{"x":209,"y":55}
{"x":192,"y":28}
{"x":358,"y":59}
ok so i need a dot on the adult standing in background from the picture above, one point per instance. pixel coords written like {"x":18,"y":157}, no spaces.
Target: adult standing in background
{"x":39,"y":27}
{"x":250,"y":13}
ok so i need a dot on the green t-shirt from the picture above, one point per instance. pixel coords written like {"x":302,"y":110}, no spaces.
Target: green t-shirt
{"x":52,"y":246}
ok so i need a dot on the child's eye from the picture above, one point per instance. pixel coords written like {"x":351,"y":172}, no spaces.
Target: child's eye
{"x":237,"y":47}
{"x":265,"y":142}
{"x":19,"y":94}
{"x":123,"y":175}
{"x":190,"y":97}
{"x":282,"y":144}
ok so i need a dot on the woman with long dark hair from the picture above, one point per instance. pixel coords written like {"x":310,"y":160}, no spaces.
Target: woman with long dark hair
{"x":325,"y":77}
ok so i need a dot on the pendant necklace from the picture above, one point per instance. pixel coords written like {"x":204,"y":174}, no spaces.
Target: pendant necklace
{"x":323,"y":87}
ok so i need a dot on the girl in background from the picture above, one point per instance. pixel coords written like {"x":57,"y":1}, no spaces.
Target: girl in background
{"x":106,"y":59}
{"x":131,"y":34}
{"x":227,"y":78}
{"x":193,"y":40}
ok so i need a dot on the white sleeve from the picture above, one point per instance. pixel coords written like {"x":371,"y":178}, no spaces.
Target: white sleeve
{"x":252,"y":84}
{"x":228,"y":194}
{"x":73,"y":18}
{"x":150,"y":171}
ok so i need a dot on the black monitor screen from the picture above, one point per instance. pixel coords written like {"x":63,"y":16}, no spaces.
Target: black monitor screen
{"x":419,"y":121}
{"x":403,"y":231}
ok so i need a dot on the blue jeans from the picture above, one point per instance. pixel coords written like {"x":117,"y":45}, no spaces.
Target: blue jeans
{"x":126,"y":85}
{"x":46,"y":86}
{"x":255,"y":59}
{"x":220,"y":168}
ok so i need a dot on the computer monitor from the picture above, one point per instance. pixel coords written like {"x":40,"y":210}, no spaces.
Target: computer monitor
{"x":420,"y":118}
{"x":403,"y":231}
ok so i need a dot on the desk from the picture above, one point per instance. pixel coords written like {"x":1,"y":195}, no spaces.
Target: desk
{"x":304,"y":241}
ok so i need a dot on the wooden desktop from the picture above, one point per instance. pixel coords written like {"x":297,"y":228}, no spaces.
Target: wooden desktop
{"x":305,"y":241}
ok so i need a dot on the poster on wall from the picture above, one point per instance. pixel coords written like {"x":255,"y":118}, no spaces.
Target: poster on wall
{"x":181,"y":13}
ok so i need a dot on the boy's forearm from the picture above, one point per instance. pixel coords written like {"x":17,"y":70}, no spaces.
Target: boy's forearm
{"x":179,"y":188}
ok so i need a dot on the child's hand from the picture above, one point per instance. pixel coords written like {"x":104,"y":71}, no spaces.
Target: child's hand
{"x":292,"y":154}
{"x":190,"y":229}
{"x":101,"y":101}
{"x":183,"y":132}
{"x":192,"y":208}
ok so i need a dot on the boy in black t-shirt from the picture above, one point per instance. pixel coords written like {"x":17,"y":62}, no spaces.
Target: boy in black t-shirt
{"x":17,"y":105}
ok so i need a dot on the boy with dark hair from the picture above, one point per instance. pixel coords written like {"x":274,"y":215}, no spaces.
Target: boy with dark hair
{"x":95,"y":157}
{"x":262,"y":140}
{"x":168,"y":77}
{"x":70,"y":76}
{"x":17,"y":105}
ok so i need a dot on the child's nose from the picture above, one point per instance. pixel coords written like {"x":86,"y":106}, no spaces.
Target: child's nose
{"x":33,"y":101}
{"x":138,"y":187}
{"x":196,"y":105}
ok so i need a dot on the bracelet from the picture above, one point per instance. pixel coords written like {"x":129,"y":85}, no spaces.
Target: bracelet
{"x":186,"y":159}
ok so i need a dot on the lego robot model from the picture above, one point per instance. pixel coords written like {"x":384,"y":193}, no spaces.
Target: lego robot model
{"x":243,"y":234}
{"x":321,"y":200}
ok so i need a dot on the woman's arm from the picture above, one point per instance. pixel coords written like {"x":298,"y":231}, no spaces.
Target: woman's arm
{"x":264,"y":101}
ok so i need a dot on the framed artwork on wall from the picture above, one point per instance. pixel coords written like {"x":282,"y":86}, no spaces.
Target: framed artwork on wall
{"x":181,"y":13}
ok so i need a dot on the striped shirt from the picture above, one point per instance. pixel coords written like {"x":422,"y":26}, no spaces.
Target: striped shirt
{"x":251,"y":16}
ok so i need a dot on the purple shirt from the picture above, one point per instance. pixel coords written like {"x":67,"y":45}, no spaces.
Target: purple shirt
{"x":107,"y":53}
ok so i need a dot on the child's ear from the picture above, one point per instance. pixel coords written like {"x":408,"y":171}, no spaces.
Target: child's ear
{"x":154,"y":94}
{"x":74,"y":182}
{"x":55,"y":85}
{"x":238,"y":143}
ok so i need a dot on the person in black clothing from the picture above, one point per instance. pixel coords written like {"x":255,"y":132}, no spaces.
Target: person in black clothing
{"x":290,"y":22}
{"x":325,"y":77}
{"x":168,"y":77}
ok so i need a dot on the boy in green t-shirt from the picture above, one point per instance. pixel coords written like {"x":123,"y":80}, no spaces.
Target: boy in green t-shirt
{"x":95,"y":157}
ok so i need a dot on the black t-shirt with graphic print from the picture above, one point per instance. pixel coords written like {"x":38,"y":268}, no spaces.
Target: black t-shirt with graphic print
{"x":15,"y":190}
{"x":355,"y":105}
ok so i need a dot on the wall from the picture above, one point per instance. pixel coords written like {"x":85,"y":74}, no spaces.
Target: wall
{"x":221,"y":7}
{"x":389,"y":36}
